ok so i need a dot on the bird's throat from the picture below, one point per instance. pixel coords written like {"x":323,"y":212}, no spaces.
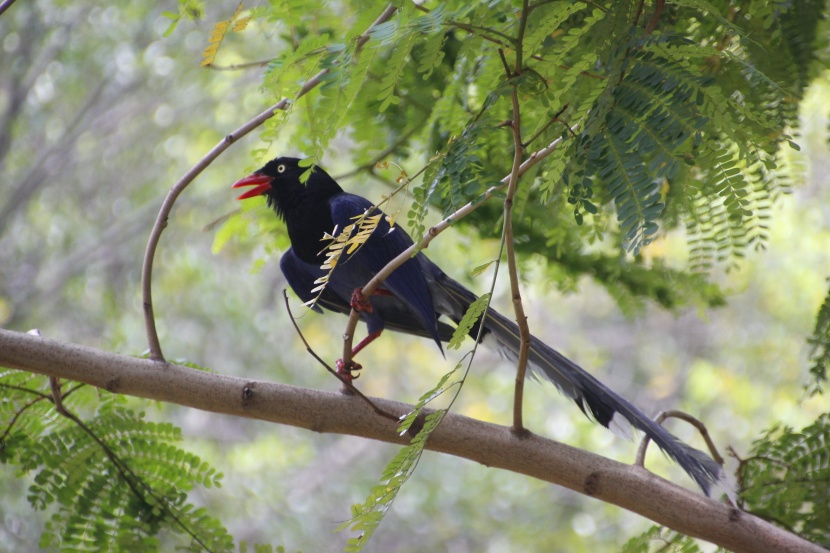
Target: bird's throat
{"x":307,"y":230}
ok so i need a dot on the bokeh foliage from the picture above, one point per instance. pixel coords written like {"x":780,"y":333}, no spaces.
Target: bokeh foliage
{"x":682,"y":116}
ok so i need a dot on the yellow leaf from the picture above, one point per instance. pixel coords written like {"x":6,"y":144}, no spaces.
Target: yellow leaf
{"x":241,"y":24}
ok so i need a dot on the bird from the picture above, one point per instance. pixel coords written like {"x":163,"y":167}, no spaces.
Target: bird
{"x":416,"y":294}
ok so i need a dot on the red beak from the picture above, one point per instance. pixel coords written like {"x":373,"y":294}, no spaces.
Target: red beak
{"x":261,"y":184}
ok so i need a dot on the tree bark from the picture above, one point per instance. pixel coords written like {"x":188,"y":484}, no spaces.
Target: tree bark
{"x":628,"y":486}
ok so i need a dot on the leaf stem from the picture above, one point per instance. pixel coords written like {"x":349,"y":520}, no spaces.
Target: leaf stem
{"x":346,"y":382}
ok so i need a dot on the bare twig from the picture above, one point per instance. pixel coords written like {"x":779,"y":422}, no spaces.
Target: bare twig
{"x":655,"y":19}
{"x":57,"y":398}
{"x":520,"y":38}
{"x":516,"y":294}
{"x":347,"y":384}
{"x":510,"y":248}
{"x":641,"y":452}
{"x":547,"y":125}
{"x":167,"y":207}
{"x":178,"y":188}
{"x":638,"y":14}
{"x":505,"y":65}
{"x":19,"y":413}
{"x":39,"y":396}
{"x":5,"y":5}
{"x":477,"y":30}
{"x":239,"y":66}
{"x":382,"y":18}
{"x":381,"y":156}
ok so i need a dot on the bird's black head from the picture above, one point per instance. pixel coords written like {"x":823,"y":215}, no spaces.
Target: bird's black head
{"x":279,"y":181}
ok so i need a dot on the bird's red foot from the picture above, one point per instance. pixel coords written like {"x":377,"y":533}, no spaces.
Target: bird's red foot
{"x":346,"y":370}
{"x":359,"y":303}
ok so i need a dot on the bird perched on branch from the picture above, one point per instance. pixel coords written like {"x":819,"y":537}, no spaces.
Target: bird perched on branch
{"x":417,"y":293}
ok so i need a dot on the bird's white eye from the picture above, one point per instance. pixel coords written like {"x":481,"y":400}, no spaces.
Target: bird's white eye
{"x":280,"y":168}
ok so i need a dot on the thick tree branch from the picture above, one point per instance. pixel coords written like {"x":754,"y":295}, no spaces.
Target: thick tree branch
{"x":627,"y":486}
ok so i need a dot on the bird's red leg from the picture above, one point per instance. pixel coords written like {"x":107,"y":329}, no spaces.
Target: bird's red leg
{"x":365,"y":342}
{"x":346,"y":369}
{"x":360,"y":304}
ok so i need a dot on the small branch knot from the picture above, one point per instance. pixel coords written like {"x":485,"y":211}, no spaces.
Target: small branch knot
{"x":247,"y":393}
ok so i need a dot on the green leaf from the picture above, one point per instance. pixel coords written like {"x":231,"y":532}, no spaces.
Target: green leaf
{"x":481,"y":268}
{"x":469,"y":319}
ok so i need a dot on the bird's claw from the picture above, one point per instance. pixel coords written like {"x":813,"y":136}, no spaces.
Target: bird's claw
{"x":360,"y":303}
{"x":346,"y":370}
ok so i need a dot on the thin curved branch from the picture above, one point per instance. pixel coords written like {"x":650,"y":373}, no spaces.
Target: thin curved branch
{"x":178,"y":188}
{"x":547,"y":125}
{"x":627,"y":486}
{"x":348,"y":387}
{"x":673,"y":413}
{"x":239,"y":66}
{"x":476,"y":30}
{"x":167,"y":207}
{"x":381,"y":156}
{"x":383,"y":274}
{"x":655,"y":19}
{"x":510,"y":246}
{"x":6,"y":4}
{"x":512,"y":269}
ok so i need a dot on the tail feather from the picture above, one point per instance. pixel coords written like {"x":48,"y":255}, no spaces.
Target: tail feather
{"x":592,"y":396}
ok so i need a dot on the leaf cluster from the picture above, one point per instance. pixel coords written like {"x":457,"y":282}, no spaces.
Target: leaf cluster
{"x":670,"y":123}
{"x":786,"y":479}
{"x":819,"y":343}
{"x":113,"y":480}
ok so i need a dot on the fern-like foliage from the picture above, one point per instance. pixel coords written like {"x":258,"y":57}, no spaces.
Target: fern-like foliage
{"x":457,"y":176}
{"x":114,"y":480}
{"x":367,"y":516}
{"x":786,"y":479}
{"x":681,"y":113}
{"x":819,"y":343}
{"x":667,"y":541}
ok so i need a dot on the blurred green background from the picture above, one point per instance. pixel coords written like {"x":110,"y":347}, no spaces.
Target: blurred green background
{"x":100,"y":114}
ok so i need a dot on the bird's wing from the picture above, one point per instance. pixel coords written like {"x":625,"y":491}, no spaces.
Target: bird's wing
{"x":407,"y":283}
{"x":302,"y":278}
{"x":396,"y":316}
